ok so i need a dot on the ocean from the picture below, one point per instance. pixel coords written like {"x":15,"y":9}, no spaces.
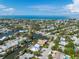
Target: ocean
{"x":34,"y":17}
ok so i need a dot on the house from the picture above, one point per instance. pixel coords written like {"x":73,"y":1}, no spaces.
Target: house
{"x":2,"y":49}
{"x":76,"y":42}
{"x":74,"y":38}
{"x":12,"y":43}
{"x":67,"y":57}
{"x":50,"y":27}
{"x":62,"y":41}
{"x":2,"y":53}
{"x":36,"y":47}
{"x":57,"y":55}
{"x":7,"y":45}
{"x":23,"y":31}
{"x":40,"y":32}
{"x":42,"y":42}
{"x":3,"y":38}
{"x":26,"y":56}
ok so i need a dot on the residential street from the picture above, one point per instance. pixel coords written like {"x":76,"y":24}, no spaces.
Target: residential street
{"x":46,"y":52}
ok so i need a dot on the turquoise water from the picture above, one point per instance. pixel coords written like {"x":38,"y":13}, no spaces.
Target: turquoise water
{"x":34,"y":17}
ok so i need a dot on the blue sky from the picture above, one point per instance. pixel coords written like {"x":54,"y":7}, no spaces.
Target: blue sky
{"x":39,"y":7}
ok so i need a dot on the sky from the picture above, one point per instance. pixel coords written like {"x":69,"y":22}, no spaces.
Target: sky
{"x":39,"y":7}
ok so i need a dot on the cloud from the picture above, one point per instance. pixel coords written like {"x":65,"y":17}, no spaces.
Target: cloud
{"x":4,"y":10}
{"x":74,"y":7}
{"x":48,"y":9}
{"x":2,"y":6}
{"x":42,"y":7}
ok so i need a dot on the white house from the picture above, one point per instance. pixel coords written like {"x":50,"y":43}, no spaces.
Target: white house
{"x":62,"y":41}
{"x":76,"y":40}
{"x":36,"y":47}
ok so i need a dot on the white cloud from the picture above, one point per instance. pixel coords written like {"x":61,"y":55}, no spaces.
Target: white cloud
{"x":48,"y":10}
{"x":42,"y":8}
{"x":8,"y":9}
{"x":2,"y":6}
{"x":74,"y":7}
{"x":4,"y":10}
